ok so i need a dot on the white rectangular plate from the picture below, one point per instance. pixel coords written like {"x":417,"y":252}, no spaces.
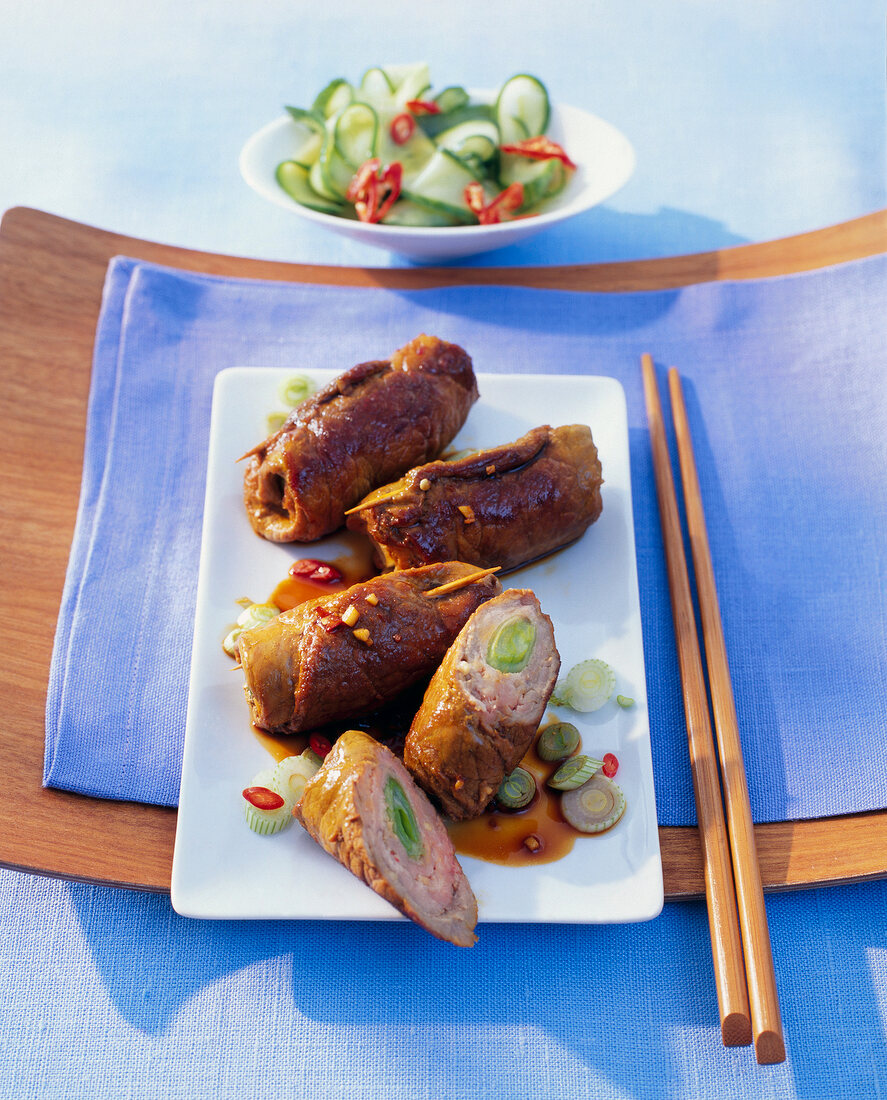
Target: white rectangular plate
{"x":221,"y":869}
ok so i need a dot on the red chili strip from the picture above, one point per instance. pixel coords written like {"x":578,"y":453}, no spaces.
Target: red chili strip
{"x":402,"y":128}
{"x":314,"y":570}
{"x":422,"y":107}
{"x":374,"y":190}
{"x":538,"y":148}
{"x":489,"y":213}
{"x":319,"y":744}
{"x":263,"y":798}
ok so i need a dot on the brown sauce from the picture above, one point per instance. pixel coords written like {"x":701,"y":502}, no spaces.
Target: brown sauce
{"x":499,"y":837}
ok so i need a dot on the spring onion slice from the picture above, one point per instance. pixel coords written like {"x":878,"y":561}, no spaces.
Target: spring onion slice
{"x":624,"y":701}
{"x":291,"y":775}
{"x":511,"y":646}
{"x":574,"y":772}
{"x":268,"y":822}
{"x":516,"y":790}
{"x":295,"y":389}
{"x":558,"y":741}
{"x":595,"y":806}
{"x":255,"y":614}
{"x":588,"y":685}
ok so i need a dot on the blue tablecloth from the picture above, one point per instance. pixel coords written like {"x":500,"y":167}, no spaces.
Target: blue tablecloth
{"x":788,"y":411}
{"x":751,"y":121}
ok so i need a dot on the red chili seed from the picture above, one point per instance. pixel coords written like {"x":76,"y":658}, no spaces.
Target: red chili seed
{"x":610,"y":765}
{"x":319,"y":744}
{"x":263,"y":798}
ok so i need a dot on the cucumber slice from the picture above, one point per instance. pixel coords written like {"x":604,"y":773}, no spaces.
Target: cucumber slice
{"x":413,"y":155}
{"x":294,"y":179}
{"x":376,"y":88}
{"x":398,"y":74}
{"x":451,"y":98}
{"x":477,"y":136}
{"x":410,"y":81}
{"x":522,"y":108}
{"x":334,"y":98}
{"x":541,"y":179}
{"x":441,"y":185}
{"x":436,"y":124}
{"x":317,"y":177}
{"x":355,"y":134}
{"x":409,"y":213}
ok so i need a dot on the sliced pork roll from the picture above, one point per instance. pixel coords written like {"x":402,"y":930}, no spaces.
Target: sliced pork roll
{"x":347,"y":653}
{"x":484,"y":704}
{"x":363,"y":807}
{"x":504,"y":506}
{"x":365,"y":428}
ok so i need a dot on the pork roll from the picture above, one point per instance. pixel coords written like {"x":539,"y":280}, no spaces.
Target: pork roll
{"x":484,"y":704}
{"x":363,"y":807}
{"x":367,"y":427}
{"x":347,"y":653}
{"x":504,"y":506}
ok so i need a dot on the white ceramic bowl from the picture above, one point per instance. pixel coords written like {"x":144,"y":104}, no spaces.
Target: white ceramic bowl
{"x":604,"y":158}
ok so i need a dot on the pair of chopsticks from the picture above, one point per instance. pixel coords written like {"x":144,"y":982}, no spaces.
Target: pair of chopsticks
{"x":743,"y":959}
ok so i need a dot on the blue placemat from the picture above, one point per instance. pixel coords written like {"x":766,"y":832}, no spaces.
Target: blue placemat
{"x":785,"y":385}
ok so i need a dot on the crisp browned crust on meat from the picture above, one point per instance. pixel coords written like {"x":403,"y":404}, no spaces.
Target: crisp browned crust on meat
{"x":367,"y":427}
{"x":504,"y":506}
{"x":476,"y":722}
{"x":344,"y":808}
{"x":313,"y":665}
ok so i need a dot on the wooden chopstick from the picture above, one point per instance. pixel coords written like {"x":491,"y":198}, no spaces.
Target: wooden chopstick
{"x":765,"y":1016}
{"x":720,"y":896}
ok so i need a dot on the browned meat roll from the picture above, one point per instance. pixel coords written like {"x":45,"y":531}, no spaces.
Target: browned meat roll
{"x":363,"y":807}
{"x":484,"y":704}
{"x":504,"y":506}
{"x":347,"y":653}
{"x":367,"y":427}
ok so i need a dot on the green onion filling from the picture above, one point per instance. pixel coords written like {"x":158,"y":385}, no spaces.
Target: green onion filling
{"x":402,"y":819}
{"x":512,"y":645}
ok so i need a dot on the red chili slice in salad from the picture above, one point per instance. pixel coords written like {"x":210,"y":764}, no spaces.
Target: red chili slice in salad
{"x":402,"y":128}
{"x":610,"y":765}
{"x":374,"y":190}
{"x":319,"y":744}
{"x":422,"y":107}
{"x":538,"y":148}
{"x":314,"y":570}
{"x":489,"y":213}
{"x":263,"y":798}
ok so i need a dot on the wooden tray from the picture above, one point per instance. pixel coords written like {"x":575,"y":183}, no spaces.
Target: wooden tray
{"x":51,"y":277}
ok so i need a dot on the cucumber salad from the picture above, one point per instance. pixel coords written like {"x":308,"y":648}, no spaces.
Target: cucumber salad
{"x":389,"y":150}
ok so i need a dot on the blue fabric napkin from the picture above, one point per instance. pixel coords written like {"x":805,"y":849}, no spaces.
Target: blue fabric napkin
{"x":785,"y":385}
